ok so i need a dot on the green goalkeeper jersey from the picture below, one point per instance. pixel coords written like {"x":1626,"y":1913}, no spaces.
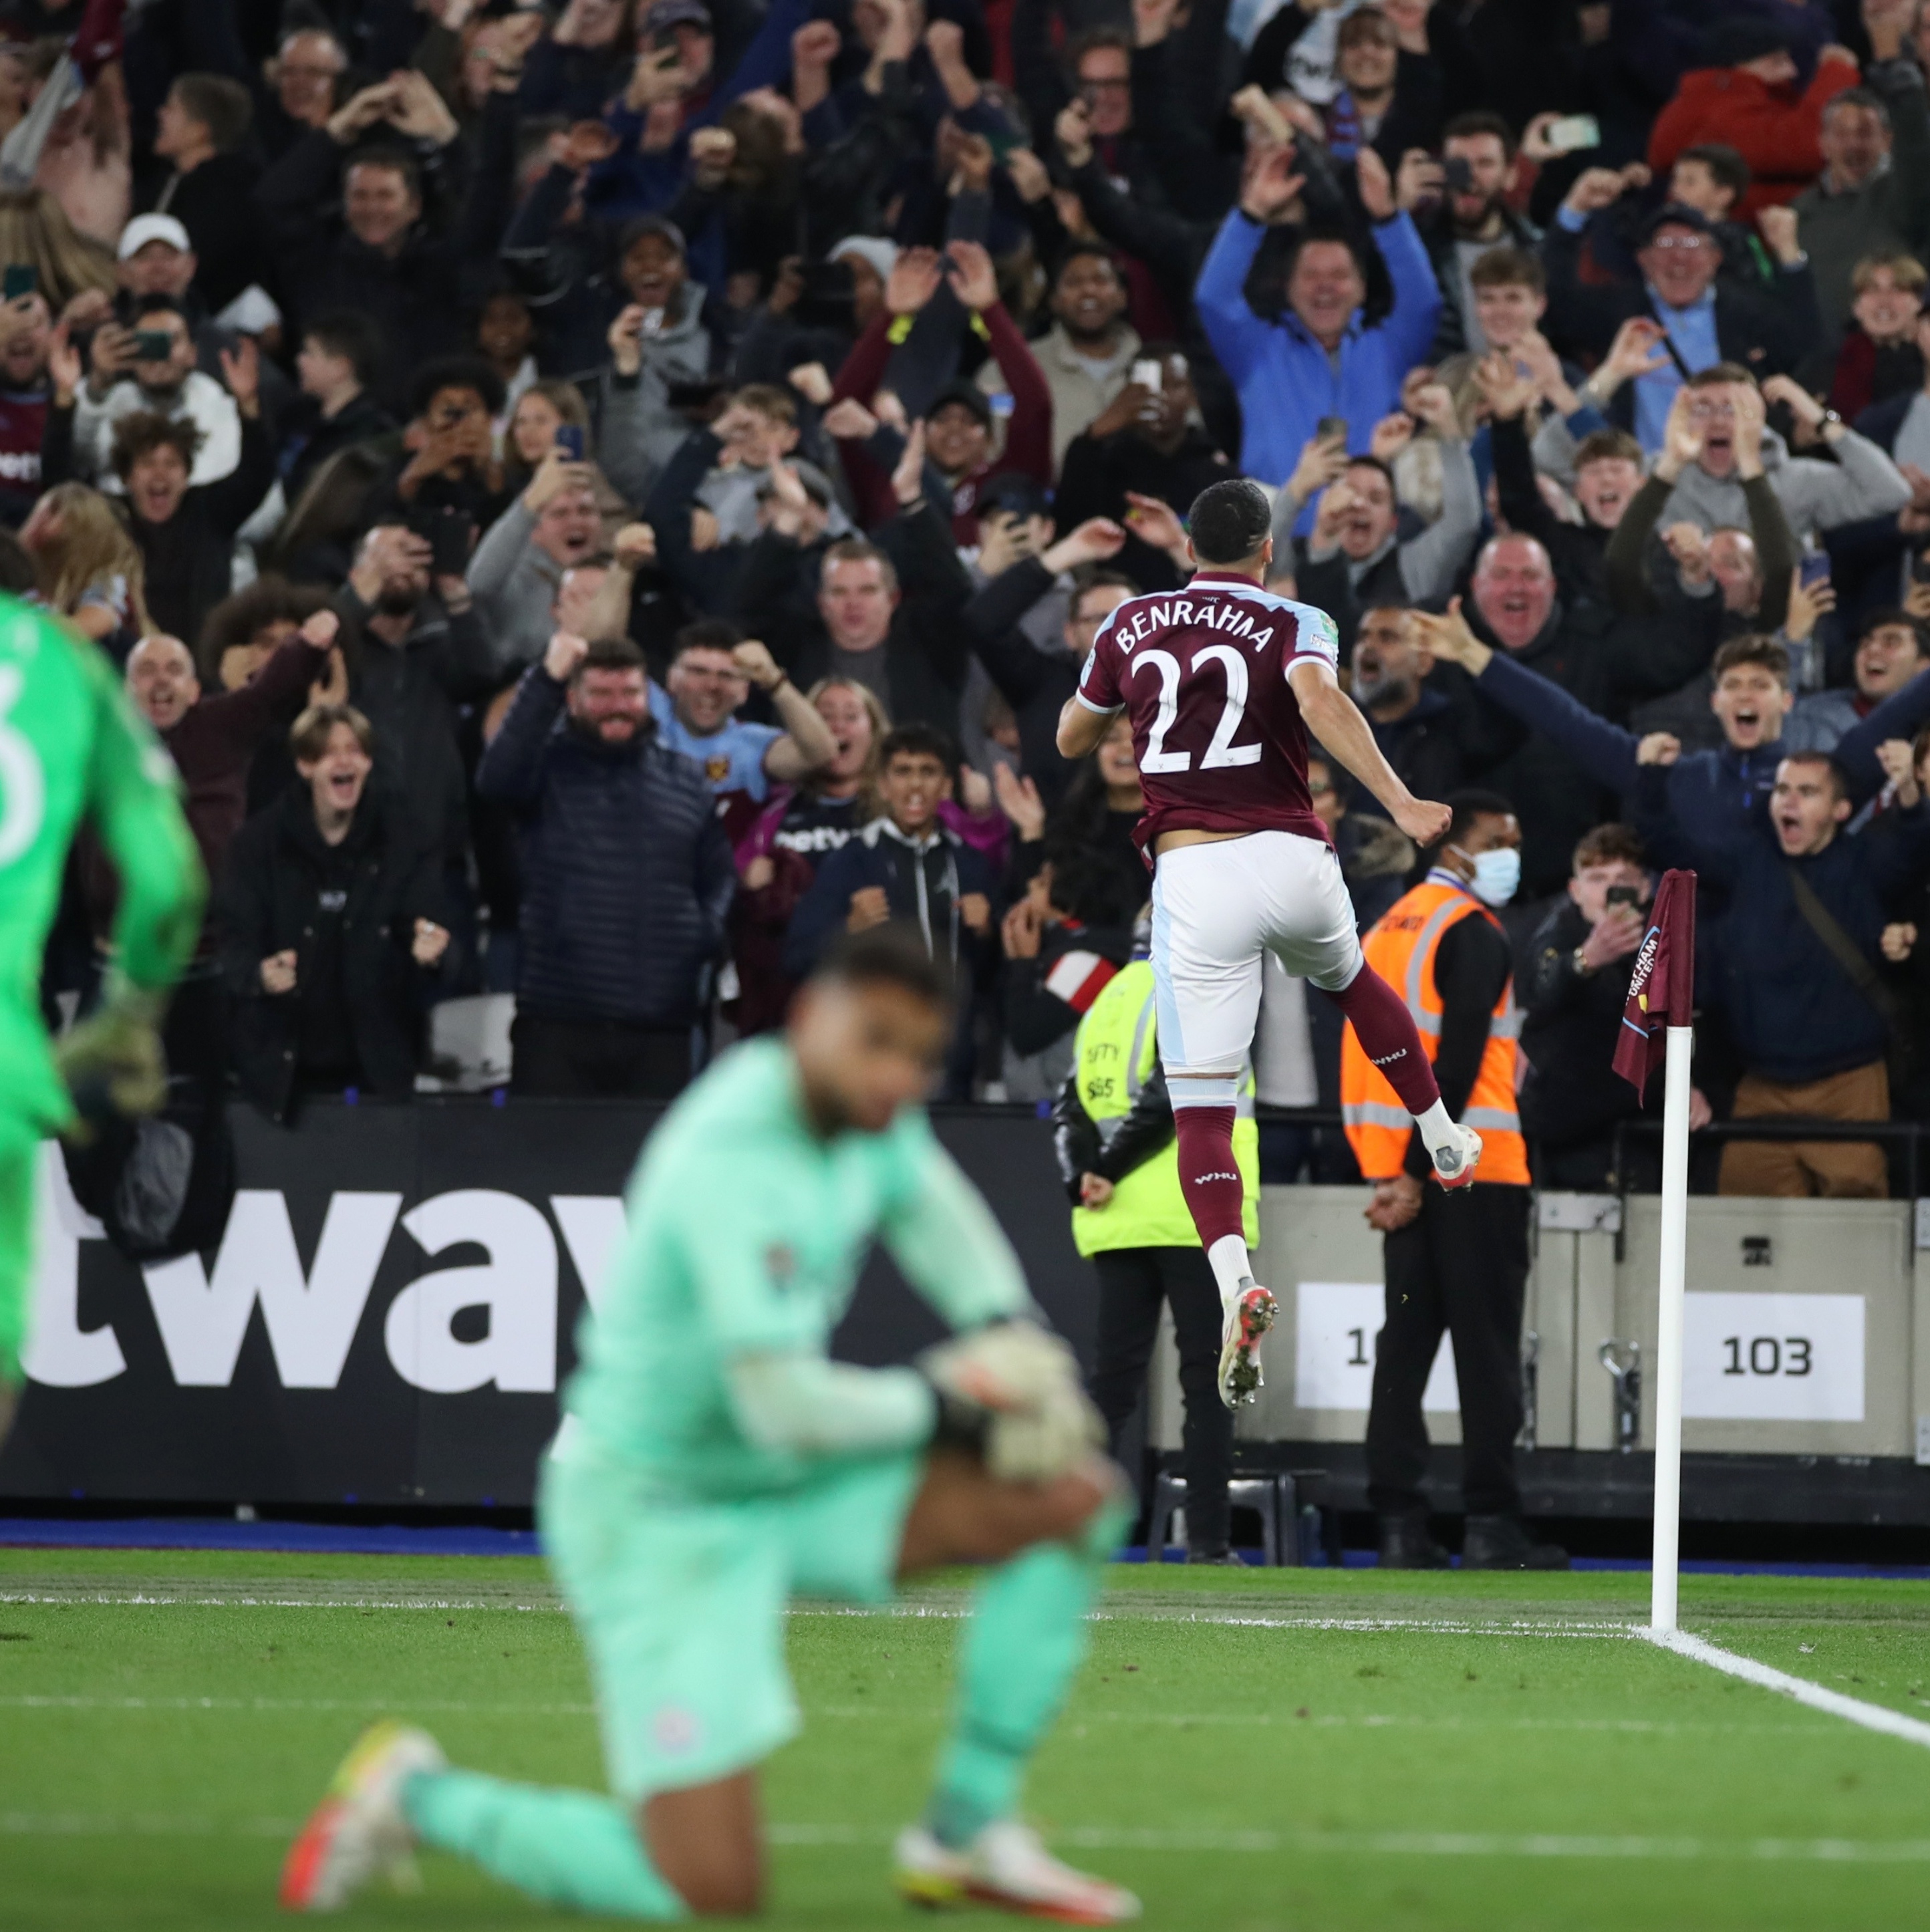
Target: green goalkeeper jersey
{"x":70,"y":747}
{"x":747,"y":1231}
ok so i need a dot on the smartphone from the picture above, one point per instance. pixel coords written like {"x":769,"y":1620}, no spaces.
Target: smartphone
{"x":22,"y":278}
{"x":1628,"y":895}
{"x":1331,"y":429}
{"x":1574,"y":132}
{"x":446,"y":531}
{"x":152,"y":345}
{"x":1458,"y":174}
{"x":1148,"y":373}
{"x":1814,"y":569}
{"x":569,"y":440}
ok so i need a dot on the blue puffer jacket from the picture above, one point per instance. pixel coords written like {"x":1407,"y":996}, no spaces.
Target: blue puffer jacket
{"x":627,"y":873}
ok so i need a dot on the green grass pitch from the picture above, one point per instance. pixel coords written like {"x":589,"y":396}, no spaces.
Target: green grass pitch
{"x":1265,"y":1750}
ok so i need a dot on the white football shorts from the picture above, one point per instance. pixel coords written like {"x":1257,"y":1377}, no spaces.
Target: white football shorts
{"x":1218,"y":909}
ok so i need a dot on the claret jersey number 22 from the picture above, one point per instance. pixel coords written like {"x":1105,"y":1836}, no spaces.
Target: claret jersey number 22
{"x":1221,"y":751}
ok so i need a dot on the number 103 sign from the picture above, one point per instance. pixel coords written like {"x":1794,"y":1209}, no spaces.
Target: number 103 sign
{"x":1773,"y":1357}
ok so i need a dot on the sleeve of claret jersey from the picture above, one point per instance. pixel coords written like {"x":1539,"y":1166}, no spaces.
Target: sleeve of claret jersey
{"x":134,"y":799}
{"x":1316,"y":635}
{"x":1099,"y":682}
{"x":945,"y":1240}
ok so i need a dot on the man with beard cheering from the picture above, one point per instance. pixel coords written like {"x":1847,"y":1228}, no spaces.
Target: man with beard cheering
{"x":629,"y":875}
{"x":1601,"y":661}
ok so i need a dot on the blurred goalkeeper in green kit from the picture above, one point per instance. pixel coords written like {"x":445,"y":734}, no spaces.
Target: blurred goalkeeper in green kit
{"x":714,"y":1462}
{"x":70,"y":749}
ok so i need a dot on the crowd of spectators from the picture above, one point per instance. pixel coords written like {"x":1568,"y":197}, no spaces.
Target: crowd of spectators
{"x":598,"y":497}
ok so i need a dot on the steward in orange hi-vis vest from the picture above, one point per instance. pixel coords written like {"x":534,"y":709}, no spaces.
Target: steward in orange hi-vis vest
{"x":1401,"y":948}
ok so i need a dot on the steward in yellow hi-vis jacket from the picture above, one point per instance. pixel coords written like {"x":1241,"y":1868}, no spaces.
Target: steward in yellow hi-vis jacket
{"x":1120,"y":1161}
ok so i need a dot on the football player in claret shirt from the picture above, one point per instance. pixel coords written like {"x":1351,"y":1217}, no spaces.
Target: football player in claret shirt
{"x":1223,"y":680}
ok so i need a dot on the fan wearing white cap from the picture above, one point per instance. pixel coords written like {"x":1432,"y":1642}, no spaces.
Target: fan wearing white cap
{"x":128,"y":372}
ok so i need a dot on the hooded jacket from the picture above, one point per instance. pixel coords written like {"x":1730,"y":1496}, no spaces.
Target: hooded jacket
{"x":924,"y":880}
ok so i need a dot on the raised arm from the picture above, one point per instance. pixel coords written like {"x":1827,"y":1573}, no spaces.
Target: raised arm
{"x":1605,"y":751}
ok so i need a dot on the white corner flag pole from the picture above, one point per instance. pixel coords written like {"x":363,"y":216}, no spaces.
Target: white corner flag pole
{"x":1668,"y":1383}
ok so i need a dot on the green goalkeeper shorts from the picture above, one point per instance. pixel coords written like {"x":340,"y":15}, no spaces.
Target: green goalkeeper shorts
{"x":682,"y":1604}
{"x":19,"y":1164}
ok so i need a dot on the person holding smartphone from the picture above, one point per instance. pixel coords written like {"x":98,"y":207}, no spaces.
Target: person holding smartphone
{"x":1573,"y":985}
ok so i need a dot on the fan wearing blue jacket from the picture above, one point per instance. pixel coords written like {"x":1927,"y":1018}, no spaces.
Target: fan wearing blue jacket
{"x":1796,"y":965}
{"x":1716,"y":797}
{"x":1320,"y":359}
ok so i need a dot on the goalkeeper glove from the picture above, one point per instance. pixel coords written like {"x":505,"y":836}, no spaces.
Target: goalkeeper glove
{"x":1011,"y":1391}
{"x":112,"y":1062}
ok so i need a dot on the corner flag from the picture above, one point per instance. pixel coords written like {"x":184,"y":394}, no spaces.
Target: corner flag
{"x":1655,"y":1027}
{"x":1662,"y":994}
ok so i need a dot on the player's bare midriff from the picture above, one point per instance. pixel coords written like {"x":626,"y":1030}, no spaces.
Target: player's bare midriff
{"x":1192,"y":834}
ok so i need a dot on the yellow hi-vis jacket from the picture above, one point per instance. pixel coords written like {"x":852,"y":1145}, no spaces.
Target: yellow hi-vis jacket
{"x":1116,"y":1054}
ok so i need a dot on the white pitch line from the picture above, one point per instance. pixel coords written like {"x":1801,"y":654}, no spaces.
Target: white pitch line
{"x":441,"y":1706}
{"x":1112,"y":1838}
{"x":1549,"y":1627}
{"x":1817,"y":1696}
{"x":1426,"y":1844}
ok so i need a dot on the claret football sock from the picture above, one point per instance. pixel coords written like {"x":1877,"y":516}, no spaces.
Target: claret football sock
{"x":1390,"y":1039}
{"x":1025,"y":1640}
{"x":566,"y":1847}
{"x":1209,"y":1178}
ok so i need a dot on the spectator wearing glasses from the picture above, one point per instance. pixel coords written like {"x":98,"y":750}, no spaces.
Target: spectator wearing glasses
{"x":1691,"y":320}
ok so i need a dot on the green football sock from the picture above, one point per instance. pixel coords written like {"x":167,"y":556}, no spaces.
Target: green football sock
{"x":565,"y":1847}
{"x":1026,"y":1639}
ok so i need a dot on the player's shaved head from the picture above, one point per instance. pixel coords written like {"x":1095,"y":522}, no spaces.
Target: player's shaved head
{"x":1231,"y":521}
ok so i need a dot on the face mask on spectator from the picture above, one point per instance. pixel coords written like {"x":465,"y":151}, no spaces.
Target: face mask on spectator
{"x":1497,"y":873}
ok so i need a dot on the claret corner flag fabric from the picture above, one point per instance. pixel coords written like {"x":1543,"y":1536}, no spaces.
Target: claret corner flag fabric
{"x":1662,"y":992}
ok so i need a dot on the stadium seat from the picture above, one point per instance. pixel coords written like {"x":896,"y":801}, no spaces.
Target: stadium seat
{"x":1274,"y":1498}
